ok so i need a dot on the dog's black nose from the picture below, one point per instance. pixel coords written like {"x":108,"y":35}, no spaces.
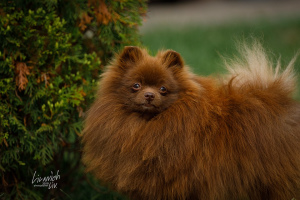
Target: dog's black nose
{"x":149,"y":96}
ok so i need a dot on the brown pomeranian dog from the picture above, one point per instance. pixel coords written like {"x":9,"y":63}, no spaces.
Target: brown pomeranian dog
{"x":156,"y":131}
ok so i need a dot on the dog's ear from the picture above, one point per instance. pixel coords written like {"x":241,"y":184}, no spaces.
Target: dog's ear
{"x":172,"y":59}
{"x":130,"y":54}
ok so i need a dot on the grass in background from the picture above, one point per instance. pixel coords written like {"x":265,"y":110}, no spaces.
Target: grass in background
{"x":202,"y":47}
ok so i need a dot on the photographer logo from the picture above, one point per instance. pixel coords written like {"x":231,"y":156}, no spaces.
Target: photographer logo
{"x":48,"y":181}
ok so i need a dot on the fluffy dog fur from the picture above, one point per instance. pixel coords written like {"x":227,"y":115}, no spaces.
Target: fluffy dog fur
{"x":196,"y":137}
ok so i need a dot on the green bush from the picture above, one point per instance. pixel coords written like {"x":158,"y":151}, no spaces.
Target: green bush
{"x":51,"y":55}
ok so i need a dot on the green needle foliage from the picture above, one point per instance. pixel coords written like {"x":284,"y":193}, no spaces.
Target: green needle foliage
{"x":51,"y":55}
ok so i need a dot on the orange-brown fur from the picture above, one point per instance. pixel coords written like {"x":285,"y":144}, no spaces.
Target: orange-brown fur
{"x":235,"y":138}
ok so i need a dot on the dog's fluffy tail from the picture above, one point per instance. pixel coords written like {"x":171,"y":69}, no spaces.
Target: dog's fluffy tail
{"x":254,"y":68}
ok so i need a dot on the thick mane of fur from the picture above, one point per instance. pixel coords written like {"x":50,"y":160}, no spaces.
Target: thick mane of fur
{"x":239,"y":139}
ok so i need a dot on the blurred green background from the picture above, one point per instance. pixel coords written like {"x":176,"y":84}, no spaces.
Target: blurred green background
{"x":203,"y":47}
{"x":206,"y":31}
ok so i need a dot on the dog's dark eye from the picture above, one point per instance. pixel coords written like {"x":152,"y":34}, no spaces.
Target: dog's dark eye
{"x":163,"y":90}
{"x":136,"y":86}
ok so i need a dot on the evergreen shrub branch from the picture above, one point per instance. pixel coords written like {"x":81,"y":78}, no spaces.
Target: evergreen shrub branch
{"x":51,"y":55}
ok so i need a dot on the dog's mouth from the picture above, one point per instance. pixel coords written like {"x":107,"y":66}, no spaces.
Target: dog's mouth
{"x":148,"y":106}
